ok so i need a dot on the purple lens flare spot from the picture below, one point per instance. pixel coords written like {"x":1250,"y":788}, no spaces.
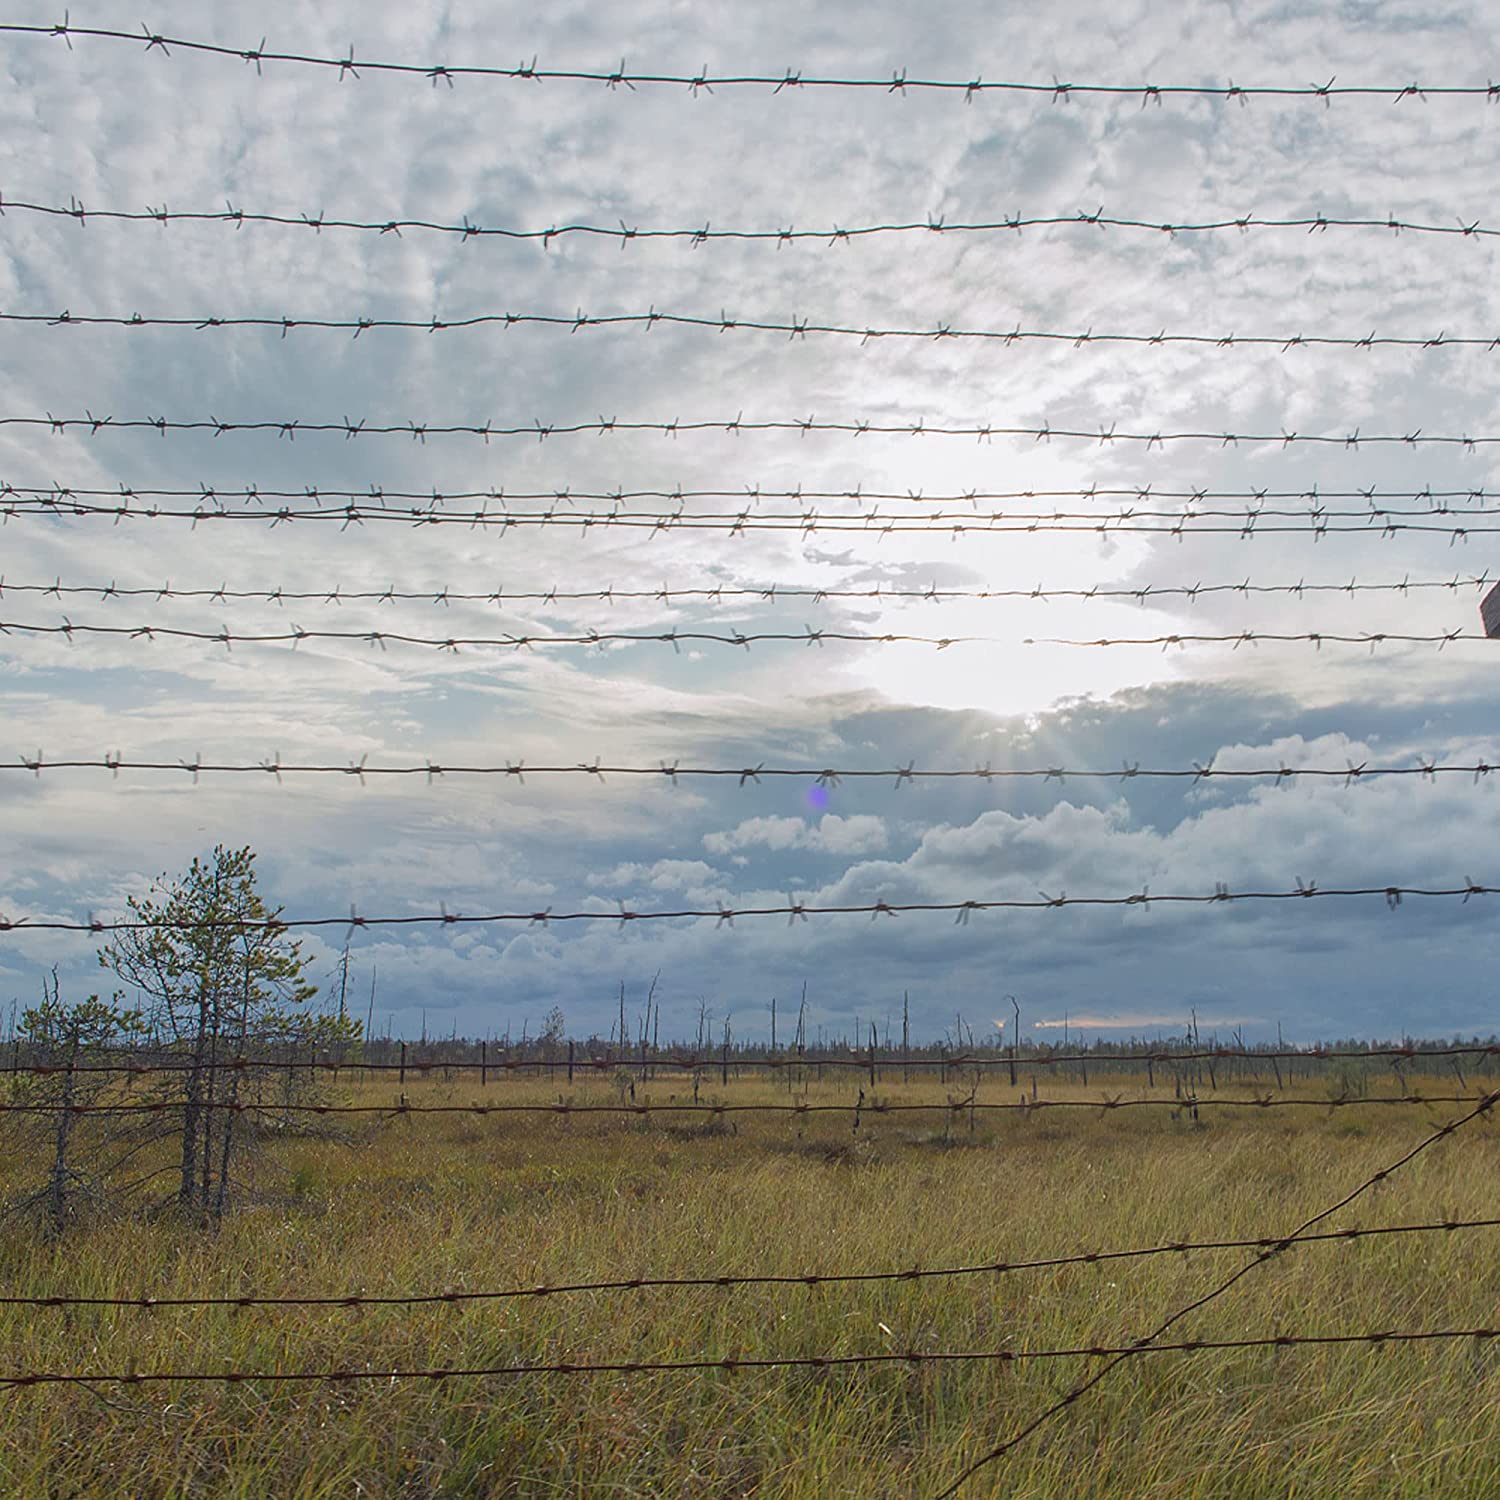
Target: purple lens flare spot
{"x":817,"y":797}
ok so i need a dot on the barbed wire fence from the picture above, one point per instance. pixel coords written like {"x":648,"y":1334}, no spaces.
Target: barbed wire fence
{"x":1317,"y":514}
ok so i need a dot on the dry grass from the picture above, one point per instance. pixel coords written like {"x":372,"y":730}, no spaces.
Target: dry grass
{"x":465,"y":1202}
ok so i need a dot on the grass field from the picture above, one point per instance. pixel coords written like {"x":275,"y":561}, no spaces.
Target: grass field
{"x":462,"y":1203}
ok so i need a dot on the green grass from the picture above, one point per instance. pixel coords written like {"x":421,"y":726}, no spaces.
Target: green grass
{"x":462,"y":1202}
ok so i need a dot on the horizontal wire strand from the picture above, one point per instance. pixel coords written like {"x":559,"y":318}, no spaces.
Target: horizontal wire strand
{"x":878,"y":1107}
{"x":724,"y":915}
{"x":1250,"y":523}
{"x":790,"y":80}
{"x":732,"y":1363}
{"x":855,"y":1060}
{"x":773,"y":593}
{"x":836,"y":234}
{"x":677,"y":638}
{"x":1101,"y":434}
{"x":728,"y":1281}
{"x":670,"y":771}
{"x":795,"y":328}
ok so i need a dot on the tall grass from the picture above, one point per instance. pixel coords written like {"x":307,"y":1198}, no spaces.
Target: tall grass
{"x":461,"y":1202}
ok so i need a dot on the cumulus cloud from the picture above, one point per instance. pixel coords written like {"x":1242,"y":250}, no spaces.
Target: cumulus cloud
{"x":860,"y":833}
{"x":122,"y":130}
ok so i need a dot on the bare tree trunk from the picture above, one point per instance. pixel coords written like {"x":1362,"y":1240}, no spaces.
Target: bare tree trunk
{"x":57,"y":1192}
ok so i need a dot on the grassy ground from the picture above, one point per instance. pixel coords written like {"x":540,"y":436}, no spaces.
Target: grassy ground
{"x":461,"y":1202}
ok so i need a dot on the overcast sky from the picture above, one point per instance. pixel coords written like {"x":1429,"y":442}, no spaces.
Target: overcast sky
{"x":116,"y":127}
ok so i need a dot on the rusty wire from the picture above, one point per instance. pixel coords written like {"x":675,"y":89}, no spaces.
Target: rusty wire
{"x":795,"y":328}
{"x":625,"y":234}
{"x":732,"y":1363}
{"x":723,"y":915}
{"x":860,"y":1060}
{"x":955,"y":1106}
{"x":792,"y":79}
{"x":725,"y":1282}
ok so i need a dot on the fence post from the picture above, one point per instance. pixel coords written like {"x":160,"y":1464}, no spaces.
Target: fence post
{"x":484,"y":1063}
{"x":874,"y":1042}
{"x":570,"y":1062}
{"x":724,"y":1067}
{"x":402,"y":1079}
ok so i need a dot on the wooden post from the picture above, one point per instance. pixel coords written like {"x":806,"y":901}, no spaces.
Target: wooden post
{"x":402,"y":1079}
{"x":484,"y":1063}
{"x":1015,"y":1037}
{"x":570,"y":1062}
{"x":724,"y":1066}
{"x":874,"y":1038}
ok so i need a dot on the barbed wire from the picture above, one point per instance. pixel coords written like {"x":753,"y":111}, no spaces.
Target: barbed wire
{"x":794,"y":328}
{"x":723,"y":915}
{"x":732,"y":1363}
{"x":295,"y":635}
{"x":1245,"y":525}
{"x":825,"y":776}
{"x":420,"y":502}
{"x":1314,"y":510}
{"x":1100,"y":433}
{"x":772,"y":593}
{"x":1383,"y":1174}
{"x":725,"y":1282}
{"x":790,"y":80}
{"x":836,"y":234}
{"x":855,"y":1060}
{"x":645,"y":1110}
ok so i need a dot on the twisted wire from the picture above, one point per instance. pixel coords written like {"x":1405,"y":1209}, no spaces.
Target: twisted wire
{"x":732,"y":1363}
{"x":671,"y":771}
{"x":355,"y":1300}
{"x":1247,"y":524}
{"x":295,"y":635}
{"x":1100,"y":433}
{"x":954,"y":1106}
{"x":960,"y":1061}
{"x":794,"y":328}
{"x":789,"y":81}
{"x":722,"y":915}
{"x":836,"y":234}
{"x":772,"y":593}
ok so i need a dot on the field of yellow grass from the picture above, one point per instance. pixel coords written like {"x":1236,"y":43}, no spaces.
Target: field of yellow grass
{"x":396,"y":1204}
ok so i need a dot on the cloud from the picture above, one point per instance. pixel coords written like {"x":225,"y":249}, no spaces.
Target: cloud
{"x":860,"y":833}
{"x":122,"y":130}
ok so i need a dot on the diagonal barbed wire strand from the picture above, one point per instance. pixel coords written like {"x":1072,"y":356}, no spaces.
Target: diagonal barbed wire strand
{"x":338,"y":593}
{"x":732,"y":1363}
{"x":730,"y":1281}
{"x":1102,"y":434}
{"x":790,"y":80}
{"x":795,"y":328}
{"x":295,"y":635}
{"x":1152,"y":1340}
{"x":625,"y":234}
{"x":1393,"y":894}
